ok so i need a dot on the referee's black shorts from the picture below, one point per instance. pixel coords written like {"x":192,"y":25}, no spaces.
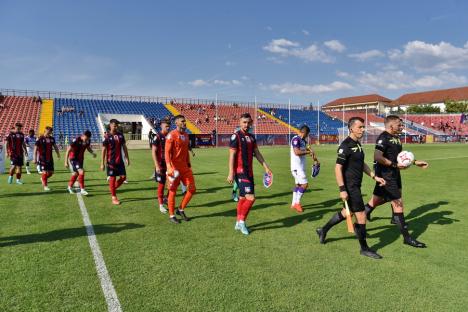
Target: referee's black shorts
{"x":392,"y":189}
{"x":355,"y":201}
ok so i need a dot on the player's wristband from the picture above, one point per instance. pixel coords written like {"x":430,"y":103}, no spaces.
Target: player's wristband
{"x":394,"y":164}
{"x":414,"y":162}
{"x":342,"y":188}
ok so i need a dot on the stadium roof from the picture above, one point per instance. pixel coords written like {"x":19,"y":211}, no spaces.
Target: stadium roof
{"x":361,"y":99}
{"x":430,"y":97}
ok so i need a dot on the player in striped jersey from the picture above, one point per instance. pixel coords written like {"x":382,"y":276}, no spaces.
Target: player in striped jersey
{"x":74,"y":156}
{"x":243,"y":147}
{"x":16,"y":150}
{"x":114,"y":157}
{"x":158,"y":146}
{"x":44,"y":156}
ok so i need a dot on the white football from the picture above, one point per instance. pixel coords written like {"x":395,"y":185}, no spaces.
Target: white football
{"x":405,"y":158}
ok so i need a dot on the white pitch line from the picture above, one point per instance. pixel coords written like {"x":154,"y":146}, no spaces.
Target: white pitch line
{"x":108,"y":289}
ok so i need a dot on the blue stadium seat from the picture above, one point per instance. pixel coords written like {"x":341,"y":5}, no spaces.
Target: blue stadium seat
{"x":70,"y":124}
{"x":309,"y":118}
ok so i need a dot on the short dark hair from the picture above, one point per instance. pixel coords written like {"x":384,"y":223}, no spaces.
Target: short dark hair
{"x":165,"y":121}
{"x":114,"y":121}
{"x":179,"y":117}
{"x":87,"y":133}
{"x":49,"y":128}
{"x":353,"y":120}
{"x":305,"y":127}
{"x":391,"y":118}
{"x":31,"y":132}
{"x":18,"y":124}
{"x":246,"y":115}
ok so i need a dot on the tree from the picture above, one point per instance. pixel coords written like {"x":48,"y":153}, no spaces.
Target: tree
{"x":456,"y":106}
{"x":423,"y":109}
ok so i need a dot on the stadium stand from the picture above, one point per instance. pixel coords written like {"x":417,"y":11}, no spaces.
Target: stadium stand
{"x":449,"y":124}
{"x":203,"y":116}
{"x":22,"y":109}
{"x":371,"y":117}
{"x":72,"y":116}
{"x":307,"y":117}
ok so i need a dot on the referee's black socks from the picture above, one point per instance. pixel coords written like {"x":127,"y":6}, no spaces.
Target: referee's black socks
{"x":403,"y":226}
{"x":337,"y":218}
{"x":368,"y":209}
{"x":360,"y":231}
{"x":399,"y":219}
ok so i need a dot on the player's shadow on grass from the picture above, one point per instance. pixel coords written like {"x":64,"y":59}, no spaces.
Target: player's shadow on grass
{"x":417,"y":225}
{"x":62,"y":234}
{"x":205,"y":173}
{"x":233,"y":212}
{"x":296,"y":219}
{"x":53,"y":191}
{"x":229,"y":200}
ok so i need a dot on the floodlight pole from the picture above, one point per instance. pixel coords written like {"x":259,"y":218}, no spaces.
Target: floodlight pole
{"x":255,"y":114}
{"x":289,"y":120}
{"x":406,"y":122}
{"x":318,"y":121}
{"x":216,"y":114}
{"x":367,"y":124}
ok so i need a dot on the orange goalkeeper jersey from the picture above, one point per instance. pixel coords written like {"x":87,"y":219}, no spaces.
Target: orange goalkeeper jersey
{"x":177,"y":151}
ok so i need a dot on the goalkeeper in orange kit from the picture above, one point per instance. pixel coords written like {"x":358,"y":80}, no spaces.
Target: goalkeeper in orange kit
{"x":179,"y":168}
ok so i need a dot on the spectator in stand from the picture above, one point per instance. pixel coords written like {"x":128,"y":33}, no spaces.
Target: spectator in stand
{"x":212,"y":106}
{"x":207,"y":119}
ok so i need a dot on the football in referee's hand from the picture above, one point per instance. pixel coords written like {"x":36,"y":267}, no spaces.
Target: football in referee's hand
{"x":405,"y":159}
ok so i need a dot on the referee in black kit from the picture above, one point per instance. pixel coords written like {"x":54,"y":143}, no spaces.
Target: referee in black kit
{"x":387,"y":148}
{"x":349,"y":170}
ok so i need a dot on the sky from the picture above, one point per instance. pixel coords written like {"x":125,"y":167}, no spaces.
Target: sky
{"x":276,"y":51}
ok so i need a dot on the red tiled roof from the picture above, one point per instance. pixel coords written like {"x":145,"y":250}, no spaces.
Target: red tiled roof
{"x":429,"y":97}
{"x":369,"y":98}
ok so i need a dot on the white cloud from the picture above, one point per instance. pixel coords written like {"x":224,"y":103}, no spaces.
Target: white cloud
{"x":227,"y":82}
{"x":286,"y":48}
{"x":289,"y":87}
{"x":305,"y":32}
{"x":335,"y":45}
{"x":218,"y":82}
{"x":364,"y":56}
{"x":229,"y":63}
{"x":431,"y":57}
{"x":280,"y":46}
{"x":269,"y":28}
{"x":400,"y":80}
{"x":198,"y":83}
{"x":343,"y":74}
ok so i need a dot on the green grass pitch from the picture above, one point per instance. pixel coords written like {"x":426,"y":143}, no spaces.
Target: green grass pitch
{"x":204,"y":265}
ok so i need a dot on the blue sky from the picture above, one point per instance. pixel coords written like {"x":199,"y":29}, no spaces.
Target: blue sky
{"x":306,"y":51}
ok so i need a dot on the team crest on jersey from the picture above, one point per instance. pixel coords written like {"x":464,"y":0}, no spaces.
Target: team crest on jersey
{"x":379,"y":142}
{"x":247,"y":139}
{"x":182,"y":137}
{"x":340,"y":151}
